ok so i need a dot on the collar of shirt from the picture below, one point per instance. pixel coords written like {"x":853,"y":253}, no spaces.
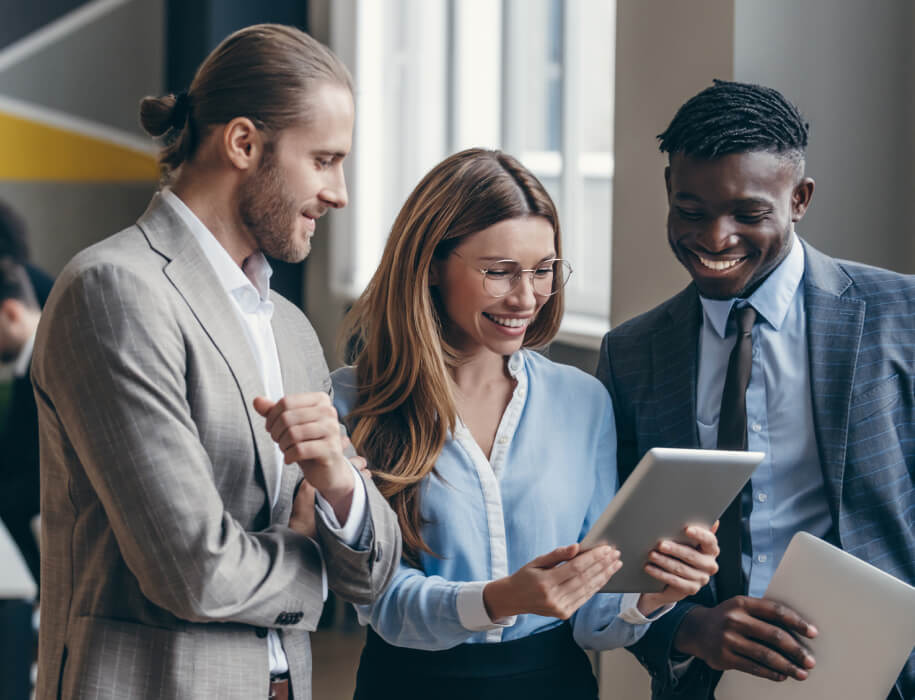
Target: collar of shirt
{"x":249,"y":285}
{"x":516,"y":363}
{"x":771,"y":300}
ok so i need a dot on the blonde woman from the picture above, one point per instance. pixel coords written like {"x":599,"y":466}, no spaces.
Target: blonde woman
{"x":495,"y":459}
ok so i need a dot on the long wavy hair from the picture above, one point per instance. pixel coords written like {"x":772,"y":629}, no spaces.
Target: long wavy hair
{"x":394,"y":332}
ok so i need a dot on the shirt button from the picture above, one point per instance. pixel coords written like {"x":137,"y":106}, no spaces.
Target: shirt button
{"x":503,"y":440}
{"x":762,"y":558}
{"x":756,"y":427}
{"x":762,"y":497}
{"x":521,"y":391}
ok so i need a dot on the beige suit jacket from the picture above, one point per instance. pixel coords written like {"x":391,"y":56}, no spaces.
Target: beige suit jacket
{"x":163,"y":563}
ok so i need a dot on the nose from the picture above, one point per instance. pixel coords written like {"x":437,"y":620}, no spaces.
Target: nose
{"x":522,"y":295}
{"x":718,"y":234}
{"x":334,"y":193}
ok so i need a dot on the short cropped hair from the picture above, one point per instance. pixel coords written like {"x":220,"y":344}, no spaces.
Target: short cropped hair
{"x":731,"y":117}
{"x":15,"y":283}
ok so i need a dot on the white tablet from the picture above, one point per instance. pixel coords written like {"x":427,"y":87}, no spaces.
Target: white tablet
{"x":668,"y":490}
{"x":864,"y":616}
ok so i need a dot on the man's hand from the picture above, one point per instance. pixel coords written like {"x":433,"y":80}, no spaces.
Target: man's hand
{"x":683,"y":568}
{"x":752,"y":635}
{"x":543,"y":587}
{"x":306,"y":429}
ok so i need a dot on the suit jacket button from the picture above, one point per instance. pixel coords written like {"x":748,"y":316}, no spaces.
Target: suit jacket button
{"x":261,"y":632}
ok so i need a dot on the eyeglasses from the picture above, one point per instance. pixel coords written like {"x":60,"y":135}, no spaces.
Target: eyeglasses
{"x":502,"y":276}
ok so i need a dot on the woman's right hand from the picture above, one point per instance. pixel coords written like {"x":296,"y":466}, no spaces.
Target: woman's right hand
{"x":543,"y":587}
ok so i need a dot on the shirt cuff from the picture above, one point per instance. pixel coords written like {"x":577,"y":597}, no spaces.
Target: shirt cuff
{"x":629,"y":611}
{"x":472,"y":611}
{"x":323,"y":575}
{"x":349,"y":532}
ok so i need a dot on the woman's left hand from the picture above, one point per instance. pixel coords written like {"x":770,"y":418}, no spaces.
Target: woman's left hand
{"x":683,"y":568}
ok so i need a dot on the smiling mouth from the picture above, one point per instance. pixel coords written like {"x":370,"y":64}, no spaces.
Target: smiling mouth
{"x":508,"y":321}
{"x":718,"y":265}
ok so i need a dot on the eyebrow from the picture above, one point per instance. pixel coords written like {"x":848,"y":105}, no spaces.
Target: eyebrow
{"x":333,"y":154}
{"x":746,"y":201}
{"x":497,"y":258}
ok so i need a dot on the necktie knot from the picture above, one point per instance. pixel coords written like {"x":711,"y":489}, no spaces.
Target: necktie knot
{"x":746,"y":317}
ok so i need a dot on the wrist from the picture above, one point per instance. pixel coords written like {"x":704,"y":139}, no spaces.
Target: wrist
{"x":689,"y":630}
{"x":649,"y":603}
{"x":497,"y":599}
{"x":338,"y":490}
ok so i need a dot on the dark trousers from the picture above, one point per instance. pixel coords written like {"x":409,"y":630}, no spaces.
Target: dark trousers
{"x":16,"y":649}
{"x":545,"y":666}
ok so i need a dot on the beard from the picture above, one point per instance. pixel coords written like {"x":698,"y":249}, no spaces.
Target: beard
{"x":269,"y":212}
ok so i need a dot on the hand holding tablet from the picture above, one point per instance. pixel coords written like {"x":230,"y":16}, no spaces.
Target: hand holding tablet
{"x":667,"y":491}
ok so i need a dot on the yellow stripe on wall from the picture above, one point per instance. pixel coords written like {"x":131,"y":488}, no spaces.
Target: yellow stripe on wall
{"x":32,"y":151}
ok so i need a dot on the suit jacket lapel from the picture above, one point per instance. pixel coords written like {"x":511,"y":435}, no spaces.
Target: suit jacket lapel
{"x":194,"y":278}
{"x":295,"y":380}
{"x":834,"y":326}
{"x":675,"y":361}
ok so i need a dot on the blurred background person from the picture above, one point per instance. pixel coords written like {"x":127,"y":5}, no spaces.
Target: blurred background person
{"x":14,"y":244}
{"x":19,"y":315}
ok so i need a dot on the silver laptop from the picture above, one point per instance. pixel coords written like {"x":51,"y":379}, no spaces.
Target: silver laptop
{"x":865,"y":619}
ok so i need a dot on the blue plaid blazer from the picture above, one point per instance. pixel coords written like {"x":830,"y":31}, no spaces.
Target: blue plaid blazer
{"x":861,"y":339}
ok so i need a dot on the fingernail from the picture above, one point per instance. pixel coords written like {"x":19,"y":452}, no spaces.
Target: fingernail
{"x":812,"y":631}
{"x":809,"y":661}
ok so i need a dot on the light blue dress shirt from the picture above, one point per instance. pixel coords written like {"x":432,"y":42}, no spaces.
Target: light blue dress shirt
{"x":788,"y":492}
{"x":551,"y":473}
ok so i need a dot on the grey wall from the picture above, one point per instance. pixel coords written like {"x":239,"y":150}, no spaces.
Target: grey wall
{"x":64,"y":218}
{"x":665,"y":52}
{"x":98,"y":73}
{"x":848,"y":66}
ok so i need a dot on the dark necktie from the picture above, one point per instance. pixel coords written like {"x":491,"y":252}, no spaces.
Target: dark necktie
{"x":732,"y":435}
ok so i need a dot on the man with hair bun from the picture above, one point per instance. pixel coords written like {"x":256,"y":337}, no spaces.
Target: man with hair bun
{"x":828,"y":345}
{"x":196,"y":501}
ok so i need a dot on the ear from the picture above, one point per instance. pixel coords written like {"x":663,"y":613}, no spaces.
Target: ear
{"x":434,"y":273}
{"x":667,"y":180}
{"x":800,"y":198}
{"x":11,"y":310}
{"x":242,"y":143}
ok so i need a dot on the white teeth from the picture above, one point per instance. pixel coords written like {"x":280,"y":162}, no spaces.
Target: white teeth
{"x":509,"y":322}
{"x":718,"y":264}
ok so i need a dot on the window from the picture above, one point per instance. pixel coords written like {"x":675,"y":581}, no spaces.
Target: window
{"x":532,"y":77}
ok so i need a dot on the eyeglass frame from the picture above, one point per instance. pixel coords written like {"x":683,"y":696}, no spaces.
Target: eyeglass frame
{"x":516,"y":278}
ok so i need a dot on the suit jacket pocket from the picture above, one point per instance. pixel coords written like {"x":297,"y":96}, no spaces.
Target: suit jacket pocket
{"x":877,"y":399}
